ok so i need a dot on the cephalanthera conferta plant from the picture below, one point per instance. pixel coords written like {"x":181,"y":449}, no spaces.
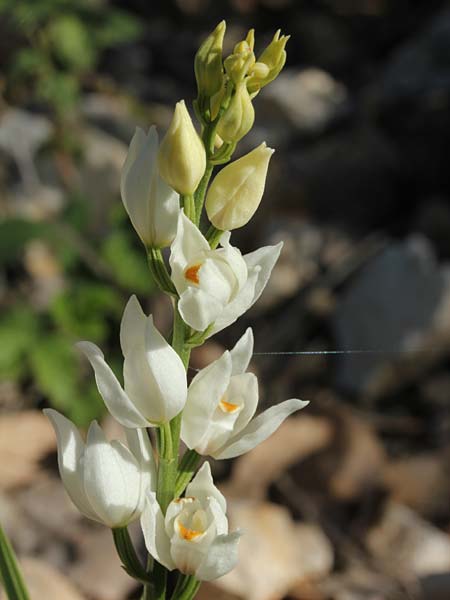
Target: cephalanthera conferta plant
{"x":165,"y":188}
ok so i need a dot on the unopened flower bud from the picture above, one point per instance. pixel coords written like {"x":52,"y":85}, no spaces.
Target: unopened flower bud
{"x":238,"y":64}
{"x":208,"y":63}
{"x":182,"y":157}
{"x":236,"y":191}
{"x":239,"y":116}
{"x":274,"y":57}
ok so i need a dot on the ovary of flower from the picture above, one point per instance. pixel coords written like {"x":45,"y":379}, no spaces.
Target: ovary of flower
{"x":216,"y":286}
{"x":155,"y":386}
{"x":193,"y":536}
{"x":105,"y":480}
{"x":222,"y":399}
{"x":151,"y":204}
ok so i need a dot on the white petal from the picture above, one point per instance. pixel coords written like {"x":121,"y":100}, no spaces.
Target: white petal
{"x":70,"y":457}
{"x":202,"y":487}
{"x":222,"y":557}
{"x":199,"y":309}
{"x":117,"y":402}
{"x":242,"y":352}
{"x":156,"y":540}
{"x":111,"y":479}
{"x":259,"y":264}
{"x":164,"y":216}
{"x":234,"y":258}
{"x":139,"y":444}
{"x":263,"y":260}
{"x":168,"y":373}
{"x":204,"y":394}
{"x":260,"y":429}
{"x":216,"y":514}
{"x":244,"y":386}
{"x":238,"y":306}
{"x":187,"y":246}
{"x":136,"y":180}
{"x":132,"y":326}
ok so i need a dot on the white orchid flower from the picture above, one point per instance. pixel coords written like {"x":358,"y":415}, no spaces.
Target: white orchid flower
{"x":193,"y":536}
{"x":216,"y":286}
{"x":155,"y":386}
{"x":105,"y":480}
{"x":151,"y":204}
{"x":222,"y":399}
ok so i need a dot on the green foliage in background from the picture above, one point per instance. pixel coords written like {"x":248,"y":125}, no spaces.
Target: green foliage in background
{"x":58,"y":45}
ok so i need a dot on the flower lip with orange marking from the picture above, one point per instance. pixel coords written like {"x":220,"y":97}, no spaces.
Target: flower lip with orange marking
{"x":191,"y":273}
{"x":188,"y":534}
{"x":229,"y":407}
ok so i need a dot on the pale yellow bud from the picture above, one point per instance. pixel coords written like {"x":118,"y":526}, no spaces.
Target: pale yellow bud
{"x":239,"y":116}
{"x":274,"y":57}
{"x":182,"y":157}
{"x":250,"y":39}
{"x":238,"y":64}
{"x":208,"y":63}
{"x":236,"y":191}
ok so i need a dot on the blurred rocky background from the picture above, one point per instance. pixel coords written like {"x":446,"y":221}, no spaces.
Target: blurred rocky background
{"x":350,"y":500}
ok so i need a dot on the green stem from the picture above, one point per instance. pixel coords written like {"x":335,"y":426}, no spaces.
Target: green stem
{"x":10,"y":574}
{"x":167,"y":468}
{"x":127,"y":554}
{"x":148,"y":593}
{"x":189,"y":206}
{"x":159,"y":271}
{"x":186,"y":588}
{"x":213,"y":236}
{"x":178,"y":343}
{"x":200,"y":192}
{"x":188,"y":465}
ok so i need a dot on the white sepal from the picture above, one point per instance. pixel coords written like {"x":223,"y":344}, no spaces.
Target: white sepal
{"x":222,"y":400}
{"x":193,"y":536}
{"x":156,"y":539}
{"x":151,"y":204}
{"x":155,"y":386}
{"x":105,"y":480}
{"x":260,"y":428}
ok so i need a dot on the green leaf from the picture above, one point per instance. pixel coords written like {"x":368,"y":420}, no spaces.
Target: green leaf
{"x":55,"y":367}
{"x":85,"y":310}
{"x":71,"y":43}
{"x":118,"y":28}
{"x":10,"y":574}
{"x":18,"y":332}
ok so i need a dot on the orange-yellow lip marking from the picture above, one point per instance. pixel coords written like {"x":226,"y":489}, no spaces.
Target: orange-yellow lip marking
{"x":228,"y":407}
{"x":188,"y":534}
{"x":191,"y":273}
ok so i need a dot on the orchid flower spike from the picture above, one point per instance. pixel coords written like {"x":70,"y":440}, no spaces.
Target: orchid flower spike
{"x":151,"y":204}
{"x":222,"y":399}
{"x":155,"y":386}
{"x":216,"y":286}
{"x":193,"y":536}
{"x":105,"y":480}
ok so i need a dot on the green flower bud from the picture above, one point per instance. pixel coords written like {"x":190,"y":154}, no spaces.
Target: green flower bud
{"x":182,"y":156}
{"x":239,"y":116}
{"x":273,"y":57}
{"x":236,"y":191}
{"x":208,"y":63}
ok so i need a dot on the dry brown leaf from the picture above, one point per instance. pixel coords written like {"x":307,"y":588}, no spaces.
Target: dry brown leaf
{"x":421,"y":482}
{"x":296,"y":438}
{"x":275,"y":553}
{"x":25,"y":438}
{"x":46,"y":583}
{"x":411,"y":544}
{"x":361,"y":458}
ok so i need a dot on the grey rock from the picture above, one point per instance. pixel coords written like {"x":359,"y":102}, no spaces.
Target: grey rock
{"x":386,"y":308}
